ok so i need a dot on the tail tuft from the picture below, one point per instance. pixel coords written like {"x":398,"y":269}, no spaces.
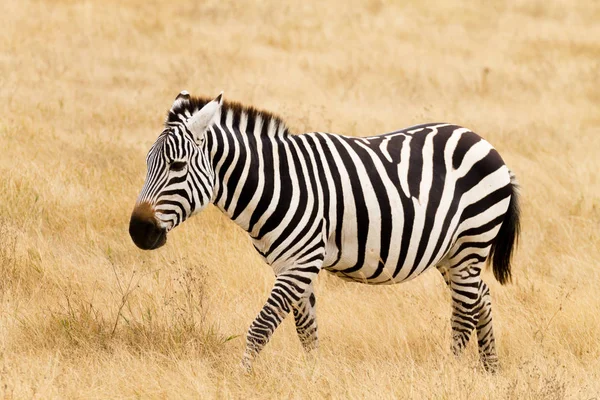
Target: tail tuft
{"x":507,"y":238}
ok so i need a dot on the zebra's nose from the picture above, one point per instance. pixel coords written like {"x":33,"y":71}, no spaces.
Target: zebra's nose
{"x":144,"y":229}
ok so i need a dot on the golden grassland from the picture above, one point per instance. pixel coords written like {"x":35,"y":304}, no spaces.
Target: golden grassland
{"x":84,"y":88}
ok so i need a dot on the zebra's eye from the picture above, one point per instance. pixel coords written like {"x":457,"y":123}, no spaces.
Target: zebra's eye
{"x":177,"y":165}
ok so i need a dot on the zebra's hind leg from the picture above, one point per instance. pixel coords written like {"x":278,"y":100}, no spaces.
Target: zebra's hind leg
{"x":471,"y":308}
{"x":485,"y":332}
{"x":464,"y":284}
{"x":306,"y":320}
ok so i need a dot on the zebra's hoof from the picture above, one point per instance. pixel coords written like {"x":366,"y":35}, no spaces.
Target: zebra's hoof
{"x":246,"y":366}
{"x":310,"y":346}
{"x":490,"y":364}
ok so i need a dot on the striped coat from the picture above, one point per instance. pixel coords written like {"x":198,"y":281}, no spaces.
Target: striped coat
{"x":377,"y":210}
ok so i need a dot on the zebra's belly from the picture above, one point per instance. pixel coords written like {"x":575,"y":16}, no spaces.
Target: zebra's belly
{"x":375,"y":272}
{"x":390,"y":249}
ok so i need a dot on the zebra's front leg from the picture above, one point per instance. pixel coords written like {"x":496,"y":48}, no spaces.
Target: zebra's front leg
{"x":306,"y":320}
{"x":445,"y":272}
{"x":288,"y":289}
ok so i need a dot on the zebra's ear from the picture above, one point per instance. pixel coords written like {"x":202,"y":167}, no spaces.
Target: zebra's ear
{"x":181,"y":97}
{"x":199,"y":123}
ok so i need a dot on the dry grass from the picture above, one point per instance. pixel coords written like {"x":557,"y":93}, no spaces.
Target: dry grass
{"x":84,"y":87}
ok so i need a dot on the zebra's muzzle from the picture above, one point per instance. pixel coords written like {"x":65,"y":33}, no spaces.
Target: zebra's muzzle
{"x":144,"y":229}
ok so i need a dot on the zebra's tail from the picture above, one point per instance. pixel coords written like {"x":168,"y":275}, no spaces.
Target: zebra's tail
{"x":508,"y":236}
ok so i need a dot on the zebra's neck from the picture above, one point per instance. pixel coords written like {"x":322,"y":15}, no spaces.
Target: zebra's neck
{"x":245,"y":152}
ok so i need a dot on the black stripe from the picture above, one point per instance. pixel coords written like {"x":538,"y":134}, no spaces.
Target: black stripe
{"x":251,"y":182}
{"x":338,"y":196}
{"x":320,"y":168}
{"x":316,"y":232}
{"x":177,"y":179}
{"x":310,"y":269}
{"x":219,"y":145}
{"x":175,"y":192}
{"x":362,"y":212}
{"x":435,"y":195}
{"x":395,"y":149}
{"x":227,"y":163}
{"x":487,"y":202}
{"x":238,"y":168}
{"x":313,"y":215}
{"x":285,"y":195}
{"x":468,"y":295}
{"x":179,"y":216}
{"x":474,"y":245}
{"x":302,"y":193}
{"x":268,"y":154}
{"x":169,"y":202}
{"x":221,"y":139}
{"x":318,"y":257}
{"x":469,"y":257}
{"x":478,"y":171}
{"x":415,"y":165}
{"x":466,"y":141}
{"x":482,"y":229}
{"x":383,"y":201}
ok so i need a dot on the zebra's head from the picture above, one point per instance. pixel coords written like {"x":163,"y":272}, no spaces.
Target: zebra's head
{"x":180,"y":179}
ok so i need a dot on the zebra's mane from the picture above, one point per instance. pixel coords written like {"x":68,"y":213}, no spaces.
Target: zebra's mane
{"x":195,"y":103}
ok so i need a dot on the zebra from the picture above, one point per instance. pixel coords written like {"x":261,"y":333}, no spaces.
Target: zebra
{"x":376,"y":210}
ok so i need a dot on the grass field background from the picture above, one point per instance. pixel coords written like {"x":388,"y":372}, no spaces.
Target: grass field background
{"x":84,"y":88}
